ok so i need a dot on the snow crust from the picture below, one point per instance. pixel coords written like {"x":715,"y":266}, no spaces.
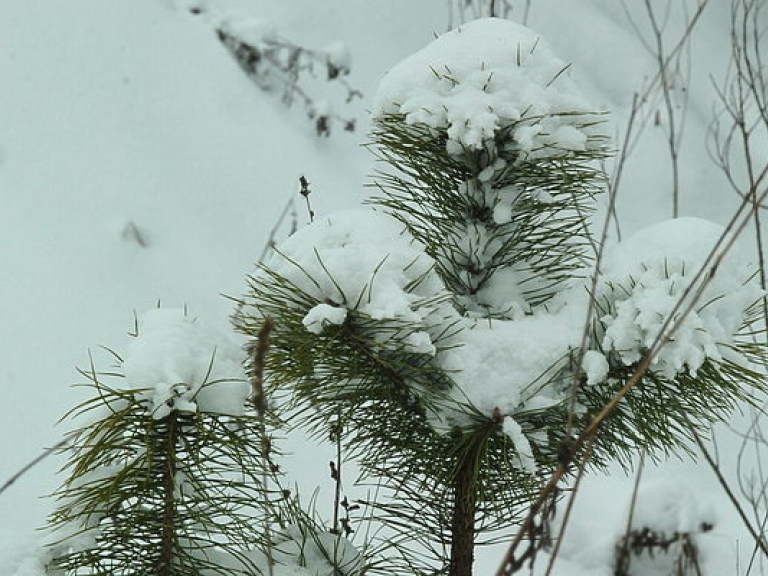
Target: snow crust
{"x":487,"y":76}
{"x":645,"y":276}
{"x":185,"y":365}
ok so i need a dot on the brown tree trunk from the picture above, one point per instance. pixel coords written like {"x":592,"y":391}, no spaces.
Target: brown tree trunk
{"x":168,"y":535}
{"x":463,"y":523}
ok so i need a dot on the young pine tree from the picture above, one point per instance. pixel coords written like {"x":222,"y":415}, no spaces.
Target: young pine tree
{"x":441,"y":330}
{"x":173,"y":471}
{"x":165,"y":475}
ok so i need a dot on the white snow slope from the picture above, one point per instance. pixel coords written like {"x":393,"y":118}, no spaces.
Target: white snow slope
{"x":138,"y":164}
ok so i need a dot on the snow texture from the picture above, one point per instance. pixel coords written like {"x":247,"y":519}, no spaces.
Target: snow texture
{"x":595,"y":366}
{"x":22,"y":555}
{"x":487,"y":76}
{"x":362,"y":260}
{"x":185,"y":365}
{"x":644,"y":277}
{"x":323,"y":315}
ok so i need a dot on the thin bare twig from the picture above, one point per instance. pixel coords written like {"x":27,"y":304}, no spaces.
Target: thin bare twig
{"x":759,"y":540}
{"x":569,"y":508}
{"x":35,"y":461}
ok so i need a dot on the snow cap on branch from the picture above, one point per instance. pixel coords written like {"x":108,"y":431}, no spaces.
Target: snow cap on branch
{"x":364,"y":261}
{"x":185,"y":365}
{"x":488,"y":76}
{"x":644,"y":277}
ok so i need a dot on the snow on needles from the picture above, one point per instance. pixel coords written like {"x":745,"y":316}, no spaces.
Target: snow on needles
{"x":644,"y":277}
{"x":362,"y":260}
{"x":185,"y":365}
{"x":491,"y":75}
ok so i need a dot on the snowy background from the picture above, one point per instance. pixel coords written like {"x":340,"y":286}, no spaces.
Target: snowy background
{"x":139,"y":164}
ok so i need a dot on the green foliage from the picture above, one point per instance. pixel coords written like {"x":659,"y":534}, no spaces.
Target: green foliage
{"x":357,"y":378}
{"x":480,"y":211}
{"x":179,"y":495}
{"x":660,"y":414}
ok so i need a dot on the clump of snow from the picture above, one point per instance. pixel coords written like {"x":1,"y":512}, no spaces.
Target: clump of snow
{"x":595,"y":366}
{"x":364,"y":261}
{"x":185,"y":365}
{"x":488,"y":76}
{"x":509,"y":365}
{"x":522,"y":445}
{"x":323,"y":315}
{"x":644,"y":277}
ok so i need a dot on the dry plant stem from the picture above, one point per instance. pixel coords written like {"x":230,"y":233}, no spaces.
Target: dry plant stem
{"x":289,"y":208}
{"x":632,"y":505}
{"x":34,"y":462}
{"x":612,"y":194}
{"x":259,"y":401}
{"x":659,"y":81}
{"x":571,"y":501}
{"x":587,"y":435}
{"x":758,"y":538}
{"x":336,"y":476}
{"x":680,"y":311}
{"x":672,"y":136}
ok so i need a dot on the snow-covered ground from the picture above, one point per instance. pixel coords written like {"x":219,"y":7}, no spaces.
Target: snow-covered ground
{"x":139,"y":164}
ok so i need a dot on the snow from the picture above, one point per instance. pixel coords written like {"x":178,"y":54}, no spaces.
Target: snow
{"x":522,"y":445}
{"x":488,"y":76}
{"x":22,"y":556}
{"x":361,"y":260}
{"x":339,"y":57}
{"x":323,"y":315}
{"x":595,"y":366}
{"x":121,"y":112}
{"x":644,"y":277}
{"x":185,"y":365}
{"x":505,"y":364}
